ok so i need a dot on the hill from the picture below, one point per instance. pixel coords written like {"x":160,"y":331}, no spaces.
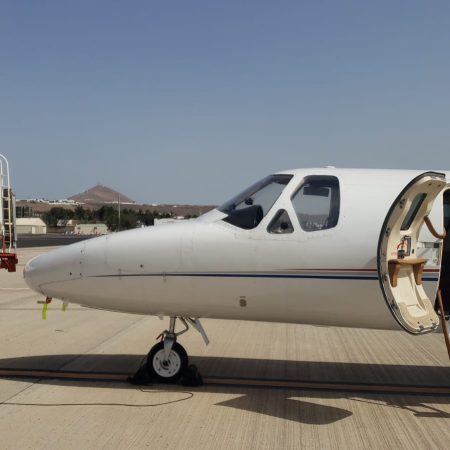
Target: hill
{"x":100,"y":195}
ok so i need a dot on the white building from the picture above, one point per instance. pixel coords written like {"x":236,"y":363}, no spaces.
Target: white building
{"x":32,"y":225}
{"x":168,"y":220}
{"x":91,"y":228}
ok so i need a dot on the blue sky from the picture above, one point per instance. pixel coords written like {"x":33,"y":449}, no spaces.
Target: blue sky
{"x":191,"y":101}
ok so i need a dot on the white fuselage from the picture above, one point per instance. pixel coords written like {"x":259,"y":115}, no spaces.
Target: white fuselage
{"x":209,"y":268}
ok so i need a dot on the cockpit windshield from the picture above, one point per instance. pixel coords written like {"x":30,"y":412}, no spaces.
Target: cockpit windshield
{"x":248,"y":208}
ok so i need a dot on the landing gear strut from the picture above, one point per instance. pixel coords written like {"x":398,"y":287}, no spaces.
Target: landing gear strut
{"x":168,"y":360}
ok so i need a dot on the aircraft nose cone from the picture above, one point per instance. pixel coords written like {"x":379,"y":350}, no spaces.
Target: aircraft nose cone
{"x":31,"y":273}
{"x":57,"y":266}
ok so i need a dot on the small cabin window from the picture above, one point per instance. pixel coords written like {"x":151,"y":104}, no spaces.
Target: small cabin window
{"x":281,"y":223}
{"x":317,"y":203}
{"x":413,"y":210}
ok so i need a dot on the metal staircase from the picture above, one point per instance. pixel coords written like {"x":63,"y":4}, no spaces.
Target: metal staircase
{"x":8,"y":236}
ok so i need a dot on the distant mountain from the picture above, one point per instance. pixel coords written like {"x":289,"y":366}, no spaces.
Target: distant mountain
{"x":100,"y":195}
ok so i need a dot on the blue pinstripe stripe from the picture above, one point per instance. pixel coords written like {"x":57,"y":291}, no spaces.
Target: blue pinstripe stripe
{"x":251,"y":275}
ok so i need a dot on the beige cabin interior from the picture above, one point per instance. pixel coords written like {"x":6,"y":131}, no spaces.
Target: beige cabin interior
{"x":403,"y":270}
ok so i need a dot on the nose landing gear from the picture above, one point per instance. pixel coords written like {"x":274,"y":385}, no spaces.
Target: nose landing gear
{"x":167,"y":361}
{"x":167,"y":369}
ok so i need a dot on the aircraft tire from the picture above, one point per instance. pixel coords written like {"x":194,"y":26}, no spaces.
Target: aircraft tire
{"x":167,"y":372}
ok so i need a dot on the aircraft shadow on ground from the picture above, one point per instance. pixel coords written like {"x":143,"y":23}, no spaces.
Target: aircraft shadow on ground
{"x":286,"y":404}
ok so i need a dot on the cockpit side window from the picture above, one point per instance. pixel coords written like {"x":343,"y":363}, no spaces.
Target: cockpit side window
{"x":317,"y":203}
{"x":247,"y":209}
{"x":281,"y":223}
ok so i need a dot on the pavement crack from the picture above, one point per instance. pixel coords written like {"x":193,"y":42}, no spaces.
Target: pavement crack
{"x":32,"y":384}
{"x":75,"y":357}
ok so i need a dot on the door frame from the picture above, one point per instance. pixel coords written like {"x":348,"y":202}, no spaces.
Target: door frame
{"x":390,"y":292}
{"x":445,"y":259}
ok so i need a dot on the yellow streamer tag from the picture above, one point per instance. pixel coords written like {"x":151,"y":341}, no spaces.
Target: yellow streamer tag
{"x":44,"y":311}
{"x":64,"y":306}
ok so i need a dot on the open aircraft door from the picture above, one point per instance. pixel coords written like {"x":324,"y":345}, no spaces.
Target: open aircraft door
{"x":399,"y":267}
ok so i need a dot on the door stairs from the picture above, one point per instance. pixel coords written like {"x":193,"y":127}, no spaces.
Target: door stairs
{"x":8,"y":232}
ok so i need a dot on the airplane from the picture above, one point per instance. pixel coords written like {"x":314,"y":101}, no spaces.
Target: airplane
{"x":333,"y":247}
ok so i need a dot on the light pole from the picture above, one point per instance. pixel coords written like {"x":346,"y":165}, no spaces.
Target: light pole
{"x":119,"y":215}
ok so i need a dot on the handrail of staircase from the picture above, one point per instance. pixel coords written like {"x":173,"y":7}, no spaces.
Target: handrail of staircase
{"x":5,"y":184}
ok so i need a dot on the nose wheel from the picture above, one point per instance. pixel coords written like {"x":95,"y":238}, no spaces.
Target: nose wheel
{"x":167,"y":369}
{"x":167,"y":361}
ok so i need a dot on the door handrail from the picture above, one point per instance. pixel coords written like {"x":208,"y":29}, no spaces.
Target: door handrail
{"x":433,"y":231}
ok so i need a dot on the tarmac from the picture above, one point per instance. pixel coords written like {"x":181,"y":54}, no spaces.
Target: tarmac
{"x":45,"y":412}
{"x":49,"y":240}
